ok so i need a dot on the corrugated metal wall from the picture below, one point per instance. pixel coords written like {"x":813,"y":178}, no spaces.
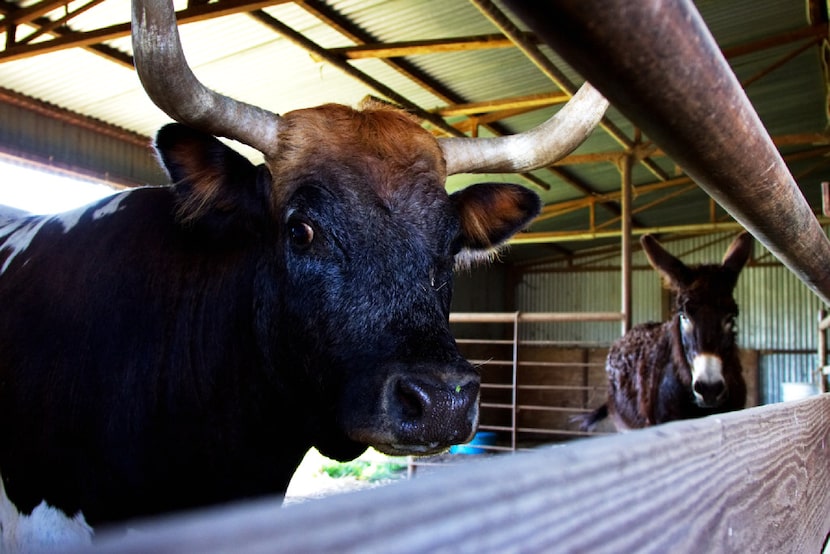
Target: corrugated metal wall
{"x":68,"y":146}
{"x":778,"y":314}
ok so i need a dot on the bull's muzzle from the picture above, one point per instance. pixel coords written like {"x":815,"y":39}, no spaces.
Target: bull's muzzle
{"x":431,"y":412}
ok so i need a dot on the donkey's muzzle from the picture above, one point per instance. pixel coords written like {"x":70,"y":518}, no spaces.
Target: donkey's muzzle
{"x":707,"y":381}
{"x":710,"y":395}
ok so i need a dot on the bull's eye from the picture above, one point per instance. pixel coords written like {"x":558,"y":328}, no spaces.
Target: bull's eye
{"x":300,"y":232}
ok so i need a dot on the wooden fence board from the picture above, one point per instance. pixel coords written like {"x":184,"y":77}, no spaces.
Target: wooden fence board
{"x":751,"y":481}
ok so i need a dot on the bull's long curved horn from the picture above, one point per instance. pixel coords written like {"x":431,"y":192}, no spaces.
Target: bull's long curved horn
{"x":541,"y":146}
{"x":174,"y":88}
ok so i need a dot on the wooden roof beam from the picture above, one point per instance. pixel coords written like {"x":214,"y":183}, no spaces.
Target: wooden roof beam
{"x":74,"y":39}
{"x":813,"y":31}
{"x":30,"y":13}
{"x":533,"y":101}
{"x":797,"y":139}
{"x":423,"y":47}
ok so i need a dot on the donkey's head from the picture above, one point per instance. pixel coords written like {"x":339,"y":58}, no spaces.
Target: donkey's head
{"x":704,"y":321}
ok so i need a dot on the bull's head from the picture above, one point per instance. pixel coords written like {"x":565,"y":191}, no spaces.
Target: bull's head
{"x":366,"y":240}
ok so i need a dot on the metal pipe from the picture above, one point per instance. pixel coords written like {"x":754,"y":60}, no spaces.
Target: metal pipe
{"x":550,"y":237}
{"x":532,"y":52}
{"x":657,"y":63}
{"x":532,"y":317}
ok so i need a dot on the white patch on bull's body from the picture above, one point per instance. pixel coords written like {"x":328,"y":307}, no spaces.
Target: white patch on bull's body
{"x":102,"y":208}
{"x":46,"y":528}
{"x":18,"y":235}
{"x":112,"y":205}
{"x":9,"y":214}
{"x":707,"y":368}
{"x":69,"y":219}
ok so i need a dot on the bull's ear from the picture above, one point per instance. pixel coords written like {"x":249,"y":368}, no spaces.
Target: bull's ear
{"x":491,"y":213}
{"x":214,"y":185}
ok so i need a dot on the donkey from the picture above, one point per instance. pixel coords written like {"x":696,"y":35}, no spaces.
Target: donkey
{"x":688,"y":366}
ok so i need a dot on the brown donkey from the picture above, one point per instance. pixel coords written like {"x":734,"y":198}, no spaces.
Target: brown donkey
{"x":686,"y":367}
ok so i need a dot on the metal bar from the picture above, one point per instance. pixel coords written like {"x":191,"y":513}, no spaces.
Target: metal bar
{"x":699,"y":115}
{"x":562,"y":387}
{"x":515,"y":392}
{"x":533,"y":363}
{"x":537,"y":317}
{"x":535,"y":55}
{"x":483,"y":341}
{"x":567,"y":236}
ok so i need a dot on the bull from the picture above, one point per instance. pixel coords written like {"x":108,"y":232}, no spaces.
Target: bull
{"x":175,"y":347}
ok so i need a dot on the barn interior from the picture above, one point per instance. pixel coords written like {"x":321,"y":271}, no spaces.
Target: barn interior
{"x":540,"y":319}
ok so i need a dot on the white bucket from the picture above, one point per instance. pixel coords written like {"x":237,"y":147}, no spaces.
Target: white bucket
{"x":797,"y":391}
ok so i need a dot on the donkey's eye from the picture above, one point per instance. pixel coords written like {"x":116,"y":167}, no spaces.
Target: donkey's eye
{"x":685,"y":322}
{"x":300,"y":233}
{"x":729,"y":323}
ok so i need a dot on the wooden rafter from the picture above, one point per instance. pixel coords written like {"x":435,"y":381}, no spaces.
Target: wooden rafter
{"x":557,"y":209}
{"x":422,"y":47}
{"x":533,"y":101}
{"x":77,"y":39}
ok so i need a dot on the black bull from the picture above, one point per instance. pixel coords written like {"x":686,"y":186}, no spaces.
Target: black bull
{"x":182,"y":346}
{"x":152,"y":362}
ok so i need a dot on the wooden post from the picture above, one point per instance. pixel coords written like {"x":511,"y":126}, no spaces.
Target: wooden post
{"x":625,"y":284}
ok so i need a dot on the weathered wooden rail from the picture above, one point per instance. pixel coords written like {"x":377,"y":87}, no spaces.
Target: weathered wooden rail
{"x":751,"y":481}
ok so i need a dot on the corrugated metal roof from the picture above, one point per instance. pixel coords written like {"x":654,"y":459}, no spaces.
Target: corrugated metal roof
{"x":239,"y":56}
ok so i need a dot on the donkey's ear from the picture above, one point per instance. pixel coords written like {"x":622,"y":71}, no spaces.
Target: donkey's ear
{"x":491,"y":213}
{"x":673,"y":270}
{"x":738,"y":252}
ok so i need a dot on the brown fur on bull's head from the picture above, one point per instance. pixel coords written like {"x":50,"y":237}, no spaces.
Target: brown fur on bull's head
{"x":383,"y":144}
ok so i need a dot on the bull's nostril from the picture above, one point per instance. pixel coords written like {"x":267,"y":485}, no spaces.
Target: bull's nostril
{"x":412,"y":399}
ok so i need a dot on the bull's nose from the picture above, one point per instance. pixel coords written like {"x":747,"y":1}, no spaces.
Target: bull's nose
{"x":430,"y":410}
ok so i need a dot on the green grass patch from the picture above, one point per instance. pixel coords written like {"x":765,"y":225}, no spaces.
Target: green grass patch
{"x":367,"y":468}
